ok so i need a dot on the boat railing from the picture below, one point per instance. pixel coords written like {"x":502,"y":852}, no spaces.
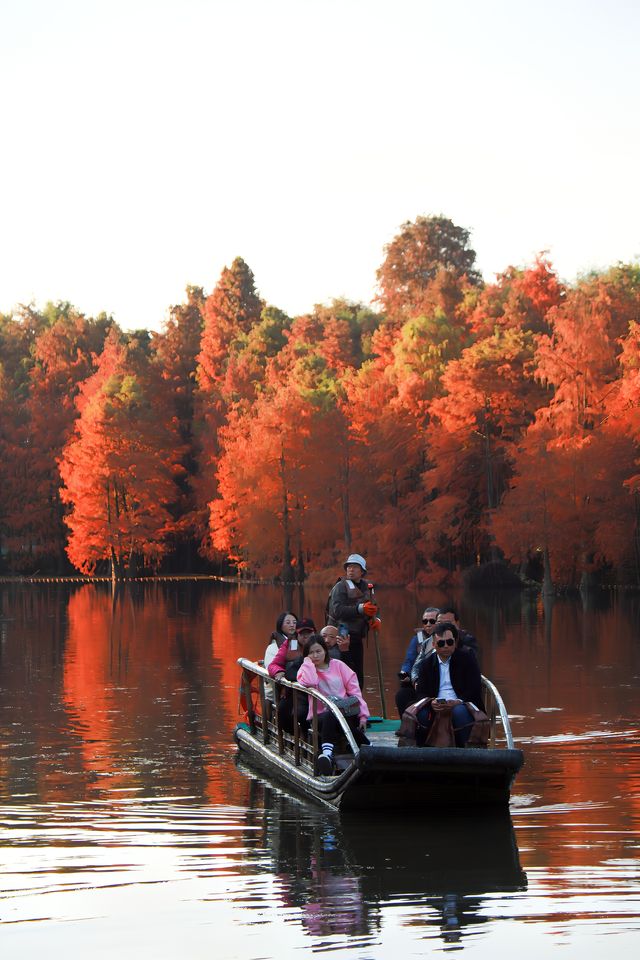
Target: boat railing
{"x":495,"y":709}
{"x":261,"y":694}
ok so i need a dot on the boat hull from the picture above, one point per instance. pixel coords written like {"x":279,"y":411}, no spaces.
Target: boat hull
{"x":387,"y":778}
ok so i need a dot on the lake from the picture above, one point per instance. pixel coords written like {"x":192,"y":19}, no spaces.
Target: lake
{"x":129,"y":827}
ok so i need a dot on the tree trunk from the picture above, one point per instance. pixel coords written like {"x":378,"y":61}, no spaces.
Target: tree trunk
{"x":287,"y":566}
{"x":346,"y":511}
{"x":547,"y":582}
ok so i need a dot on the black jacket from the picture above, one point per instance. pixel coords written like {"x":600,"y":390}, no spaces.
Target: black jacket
{"x":464,"y":672}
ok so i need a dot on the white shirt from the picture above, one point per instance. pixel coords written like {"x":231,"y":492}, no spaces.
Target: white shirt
{"x":446,"y":691}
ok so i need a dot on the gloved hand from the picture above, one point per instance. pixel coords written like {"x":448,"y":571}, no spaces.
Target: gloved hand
{"x":374,"y":624}
{"x":369,"y":608}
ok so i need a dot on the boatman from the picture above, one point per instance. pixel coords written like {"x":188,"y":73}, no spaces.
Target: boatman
{"x":351,"y":608}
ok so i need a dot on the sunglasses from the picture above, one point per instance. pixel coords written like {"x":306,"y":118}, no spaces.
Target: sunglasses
{"x":449,"y":642}
{"x":428,"y":620}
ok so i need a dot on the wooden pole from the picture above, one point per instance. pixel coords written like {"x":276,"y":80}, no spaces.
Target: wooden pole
{"x":379,"y":662}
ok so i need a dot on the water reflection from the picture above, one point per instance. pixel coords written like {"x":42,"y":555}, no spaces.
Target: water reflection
{"x":342,"y":872}
{"x":120,"y":797}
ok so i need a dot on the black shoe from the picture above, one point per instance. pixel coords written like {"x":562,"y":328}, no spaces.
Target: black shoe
{"x":325,"y":765}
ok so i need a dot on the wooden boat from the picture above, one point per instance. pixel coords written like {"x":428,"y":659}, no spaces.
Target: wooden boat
{"x":382,"y":775}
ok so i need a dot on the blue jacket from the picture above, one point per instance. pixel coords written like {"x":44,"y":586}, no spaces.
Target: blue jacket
{"x":412,"y":652}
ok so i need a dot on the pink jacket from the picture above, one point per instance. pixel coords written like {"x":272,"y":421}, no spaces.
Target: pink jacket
{"x":338,"y":680}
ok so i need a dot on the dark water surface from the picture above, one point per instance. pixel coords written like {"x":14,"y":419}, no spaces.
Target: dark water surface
{"x":128,"y":827}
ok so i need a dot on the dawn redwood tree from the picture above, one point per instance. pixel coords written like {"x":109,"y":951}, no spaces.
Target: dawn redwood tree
{"x":256,"y":519}
{"x":64,"y":355}
{"x":120,"y":466}
{"x":573,"y":491}
{"x":472,"y":439}
{"x":18,"y":500}
{"x":175,"y":351}
{"x":618,"y":528}
{"x":230,"y":313}
{"x":520,"y":299}
{"x":291,"y":502}
{"x":430,"y":257}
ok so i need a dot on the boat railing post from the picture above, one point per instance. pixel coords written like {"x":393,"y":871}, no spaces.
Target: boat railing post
{"x":296,"y":729}
{"x":314,"y":734}
{"x":497,"y":709}
{"x":263,"y":708}
{"x":493,"y":717}
{"x":246,"y":689}
{"x":280,"y":732}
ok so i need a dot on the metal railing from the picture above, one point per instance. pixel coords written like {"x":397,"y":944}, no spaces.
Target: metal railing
{"x":264,"y":718}
{"x":494,"y":708}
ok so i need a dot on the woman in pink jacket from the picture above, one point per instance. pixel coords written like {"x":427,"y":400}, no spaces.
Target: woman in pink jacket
{"x":333,"y":678}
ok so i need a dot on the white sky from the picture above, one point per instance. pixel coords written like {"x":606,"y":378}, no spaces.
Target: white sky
{"x":146,"y":143}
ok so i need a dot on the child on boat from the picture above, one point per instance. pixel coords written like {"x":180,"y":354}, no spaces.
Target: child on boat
{"x":333,"y":678}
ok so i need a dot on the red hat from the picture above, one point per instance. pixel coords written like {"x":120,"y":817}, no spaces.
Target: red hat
{"x":306,"y":624}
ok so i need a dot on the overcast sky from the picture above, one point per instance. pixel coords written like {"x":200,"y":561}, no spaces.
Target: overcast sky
{"x":144,"y":145}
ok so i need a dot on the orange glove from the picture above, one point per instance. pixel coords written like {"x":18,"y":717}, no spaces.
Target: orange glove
{"x":369,"y":609}
{"x":375,"y":623}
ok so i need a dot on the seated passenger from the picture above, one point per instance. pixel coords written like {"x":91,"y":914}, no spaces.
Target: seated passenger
{"x":419,"y":646}
{"x":466,"y":639}
{"x":334,"y":679}
{"x":451,"y":676}
{"x":305,"y":628}
{"x":286,"y":663}
{"x":338,"y":644}
{"x":285,"y":630}
{"x":330,"y":637}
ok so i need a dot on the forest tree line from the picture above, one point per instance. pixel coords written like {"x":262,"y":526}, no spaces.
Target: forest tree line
{"x":455,"y":423}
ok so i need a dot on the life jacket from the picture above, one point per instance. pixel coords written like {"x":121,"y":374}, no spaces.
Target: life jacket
{"x":353,"y":593}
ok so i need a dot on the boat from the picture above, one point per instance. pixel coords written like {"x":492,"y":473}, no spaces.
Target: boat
{"x":383,"y":775}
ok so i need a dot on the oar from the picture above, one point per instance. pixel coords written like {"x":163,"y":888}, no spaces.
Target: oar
{"x":379,"y":661}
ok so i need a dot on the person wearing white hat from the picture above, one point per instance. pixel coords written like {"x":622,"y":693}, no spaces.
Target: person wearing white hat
{"x":352,"y":610}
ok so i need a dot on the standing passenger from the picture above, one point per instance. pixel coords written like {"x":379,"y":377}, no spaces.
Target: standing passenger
{"x":351,"y":606}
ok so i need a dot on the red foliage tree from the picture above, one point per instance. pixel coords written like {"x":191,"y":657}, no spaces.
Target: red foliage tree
{"x":120,"y":466}
{"x":229,"y":313}
{"x":424,"y":266}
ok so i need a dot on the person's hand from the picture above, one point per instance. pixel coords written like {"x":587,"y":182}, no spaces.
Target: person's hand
{"x":280,"y":675}
{"x":405,"y":679}
{"x":363,"y":724}
{"x":343,"y":643}
{"x":369,"y":608}
{"x":374,"y":624}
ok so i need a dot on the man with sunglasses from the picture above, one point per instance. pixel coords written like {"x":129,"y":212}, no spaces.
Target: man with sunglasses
{"x":419,"y":647}
{"x":465,"y":639}
{"x":452,"y":678}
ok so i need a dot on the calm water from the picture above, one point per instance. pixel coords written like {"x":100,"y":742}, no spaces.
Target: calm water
{"x":127,"y":823}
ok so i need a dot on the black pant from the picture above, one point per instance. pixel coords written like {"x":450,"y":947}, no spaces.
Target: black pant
{"x":405,"y":696}
{"x":330,"y":731}
{"x":285,"y":712}
{"x":355,"y":659}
